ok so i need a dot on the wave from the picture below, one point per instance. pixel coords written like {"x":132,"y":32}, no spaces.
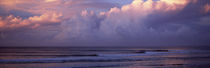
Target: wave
{"x":70,"y":59}
{"x":82,"y":58}
{"x":119,"y":55}
{"x":56,"y":55}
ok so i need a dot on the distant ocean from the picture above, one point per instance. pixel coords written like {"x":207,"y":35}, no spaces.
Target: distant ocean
{"x":69,"y":57}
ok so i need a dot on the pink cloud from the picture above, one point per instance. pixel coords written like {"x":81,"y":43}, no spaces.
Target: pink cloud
{"x":148,"y":6}
{"x":206,"y":8}
{"x":11,"y":22}
{"x":50,"y":0}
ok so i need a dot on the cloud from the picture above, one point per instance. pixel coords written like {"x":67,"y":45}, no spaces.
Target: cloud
{"x":142,"y":22}
{"x":50,"y":0}
{"x":128,"y":23}
{"x":30,"y":11}
{"x":206,"y":8}
{"x":43,"y":6}
{"x":11,"y":22}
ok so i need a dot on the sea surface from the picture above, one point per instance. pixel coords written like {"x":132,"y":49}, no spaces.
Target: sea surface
{"x":72,"y":57}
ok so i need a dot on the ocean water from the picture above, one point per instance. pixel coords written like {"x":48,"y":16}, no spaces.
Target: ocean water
{"x":69,"y":57}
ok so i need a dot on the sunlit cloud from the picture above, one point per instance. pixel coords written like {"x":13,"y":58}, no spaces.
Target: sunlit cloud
{"x":207,"y":8}
{"x":117,"y":22}
{"x":50,"y":0}
{"x":140,"y":21}
{"x":12,"y":22}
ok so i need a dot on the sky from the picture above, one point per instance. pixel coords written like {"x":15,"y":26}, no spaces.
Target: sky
{"x":104,"y":23}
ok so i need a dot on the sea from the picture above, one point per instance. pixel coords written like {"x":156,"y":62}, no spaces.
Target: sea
{"x":103,"y":57}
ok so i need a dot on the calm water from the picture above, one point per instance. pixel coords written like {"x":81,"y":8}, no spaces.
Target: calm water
{"x":104,"y":58}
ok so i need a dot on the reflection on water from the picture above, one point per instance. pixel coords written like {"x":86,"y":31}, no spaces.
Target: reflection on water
{"x":104,"y":58}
